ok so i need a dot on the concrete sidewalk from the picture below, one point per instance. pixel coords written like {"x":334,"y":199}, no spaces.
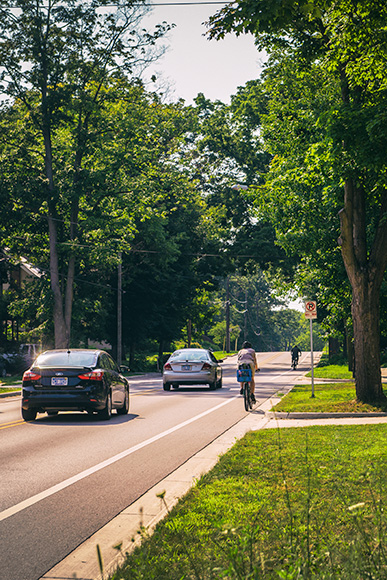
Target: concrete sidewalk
{"x":123,"y":530}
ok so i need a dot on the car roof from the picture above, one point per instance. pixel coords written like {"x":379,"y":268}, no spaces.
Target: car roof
{"x":70,"y":350}
{"x":191,"y":348}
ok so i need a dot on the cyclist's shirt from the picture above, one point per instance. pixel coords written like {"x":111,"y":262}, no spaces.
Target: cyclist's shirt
{"x":295,"y":352}
{"x":246,"y":355}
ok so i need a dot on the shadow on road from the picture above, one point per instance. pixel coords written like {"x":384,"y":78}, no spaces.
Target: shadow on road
{"x":81,"y":419}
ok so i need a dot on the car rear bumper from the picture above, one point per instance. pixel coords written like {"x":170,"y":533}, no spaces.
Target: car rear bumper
{"x":198,"y":378}
{"x":44,"y":401}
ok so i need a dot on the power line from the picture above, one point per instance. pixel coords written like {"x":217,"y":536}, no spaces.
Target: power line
{"x":180,"y":4}
{"x":201,"y":3}
{"x":131,"y":250}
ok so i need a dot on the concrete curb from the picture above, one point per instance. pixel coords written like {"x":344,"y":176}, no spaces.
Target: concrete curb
{"x":312,"y":416}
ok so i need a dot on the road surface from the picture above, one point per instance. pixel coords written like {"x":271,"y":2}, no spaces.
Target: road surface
{"x":63,"y":477}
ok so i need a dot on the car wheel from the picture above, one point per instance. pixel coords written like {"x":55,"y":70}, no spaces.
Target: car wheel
{"x":167,"y":386}
{"x":125,"y":408}
{"x":175,"y":386}
{"x":52,"y":413}
{"x":29,"y":414}
{"x":106,"y":413}
{"x":212,"y":386}
{"x":220,"y":383}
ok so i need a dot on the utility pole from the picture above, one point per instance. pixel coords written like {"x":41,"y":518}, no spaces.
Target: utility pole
{"x":119,"y":310}
{"x":228,"y":314}
{"x":311,"y":313}
{"x":245,"y":317}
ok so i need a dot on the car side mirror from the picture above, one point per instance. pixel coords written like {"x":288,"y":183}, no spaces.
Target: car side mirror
{"x":124,"y":369}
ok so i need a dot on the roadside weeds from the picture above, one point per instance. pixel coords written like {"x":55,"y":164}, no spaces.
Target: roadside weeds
{"x":293,"y":503}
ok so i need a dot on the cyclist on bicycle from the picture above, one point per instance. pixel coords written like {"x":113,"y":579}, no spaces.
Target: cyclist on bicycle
{"x":296,"y":351}
{"x":247,"y":355}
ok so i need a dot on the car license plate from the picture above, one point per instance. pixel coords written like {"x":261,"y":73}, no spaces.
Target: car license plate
{"x":185,"y":367}
{"x":59,"y":381}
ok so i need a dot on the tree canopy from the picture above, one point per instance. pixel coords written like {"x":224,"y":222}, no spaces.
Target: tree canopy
{"x":58,"y":60}
{"x":327,"y":96}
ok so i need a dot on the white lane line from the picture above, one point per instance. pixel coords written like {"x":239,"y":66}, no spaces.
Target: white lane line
{"x":67,"y":482}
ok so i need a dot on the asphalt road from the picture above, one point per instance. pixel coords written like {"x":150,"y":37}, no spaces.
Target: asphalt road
{"x":63,"y":477}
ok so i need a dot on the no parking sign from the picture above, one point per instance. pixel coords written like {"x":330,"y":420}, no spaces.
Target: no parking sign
{"x":310,"y":309}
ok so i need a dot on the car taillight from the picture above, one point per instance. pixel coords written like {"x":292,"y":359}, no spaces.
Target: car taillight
{"x":93,"y":376}
{"x":206,"y":367}
{"x":31,"y":376}
{"x":167,"y":367}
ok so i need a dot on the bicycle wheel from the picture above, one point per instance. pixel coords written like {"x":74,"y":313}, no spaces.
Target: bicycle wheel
{"x":246,"y":396}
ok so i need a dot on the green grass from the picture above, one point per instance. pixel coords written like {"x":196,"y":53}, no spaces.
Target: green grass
{"x":13,"y":381}
{"x":331,"y":397}
{"x":281,"y":504}
{"x":332,"y":372}
{"x":331,"y":368}
{"x":221,"y":354}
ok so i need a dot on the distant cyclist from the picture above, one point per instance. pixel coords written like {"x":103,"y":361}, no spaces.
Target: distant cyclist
{"x":247,"y":355}
{"x":296,"y":352}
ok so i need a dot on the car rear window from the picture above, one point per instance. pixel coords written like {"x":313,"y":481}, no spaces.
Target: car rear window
{"x":191,"y":355}
{"x":66,"y":359}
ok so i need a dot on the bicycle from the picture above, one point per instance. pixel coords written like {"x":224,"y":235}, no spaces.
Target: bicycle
{"x":294,"y":363}
{"x":244,"y":376}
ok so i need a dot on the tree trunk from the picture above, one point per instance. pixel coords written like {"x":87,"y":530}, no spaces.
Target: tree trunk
{"x":365,"y":272}
{"x":366,"y":332}
{"x":60,"y":330}
{"x":349,"y":350}
{"x":160,"y":357}
{"x":61,"y":335}
{"x":71,"y":271}
{"x":131,"y":356}
{"x":333,"y":347}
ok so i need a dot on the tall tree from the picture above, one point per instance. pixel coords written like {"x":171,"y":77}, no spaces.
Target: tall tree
{"x":347,"y":39}
{"x":56,"y":60}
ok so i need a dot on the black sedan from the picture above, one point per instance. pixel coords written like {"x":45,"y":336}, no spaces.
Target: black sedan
{"x":74,"y":380}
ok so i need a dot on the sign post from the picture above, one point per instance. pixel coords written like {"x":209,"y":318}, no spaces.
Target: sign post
{"x":311,"y":313}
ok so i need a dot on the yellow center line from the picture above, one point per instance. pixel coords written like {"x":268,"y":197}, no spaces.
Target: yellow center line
{"x":12,"y":424}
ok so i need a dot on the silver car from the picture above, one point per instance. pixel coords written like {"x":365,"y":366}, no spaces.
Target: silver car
{"x":192,"y":366}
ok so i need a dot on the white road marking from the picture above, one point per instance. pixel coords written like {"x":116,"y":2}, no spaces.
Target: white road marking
{"x":67,"y":482}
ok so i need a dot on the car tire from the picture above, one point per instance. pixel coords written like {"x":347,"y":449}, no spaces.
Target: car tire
{"x":220,"y":383}
{"x":29,"y":414}
{"x":52,"y":413}
{"x":212,"y":386}
{"x":125,"y":408}
{"x":106,"y":413}
{"x":175,"y":386}
{"x":167,"y":386}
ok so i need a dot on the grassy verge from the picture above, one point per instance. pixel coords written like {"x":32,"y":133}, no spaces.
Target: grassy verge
{"x":331,"y":372}
{"x":334,"y":368}
{"x":331,"y":397}
{"x":281,"y":504}
{"x":8,"y":384}
{"x":221,"y":354}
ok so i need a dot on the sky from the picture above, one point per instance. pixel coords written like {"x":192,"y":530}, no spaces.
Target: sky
{"x":193,"y":64}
